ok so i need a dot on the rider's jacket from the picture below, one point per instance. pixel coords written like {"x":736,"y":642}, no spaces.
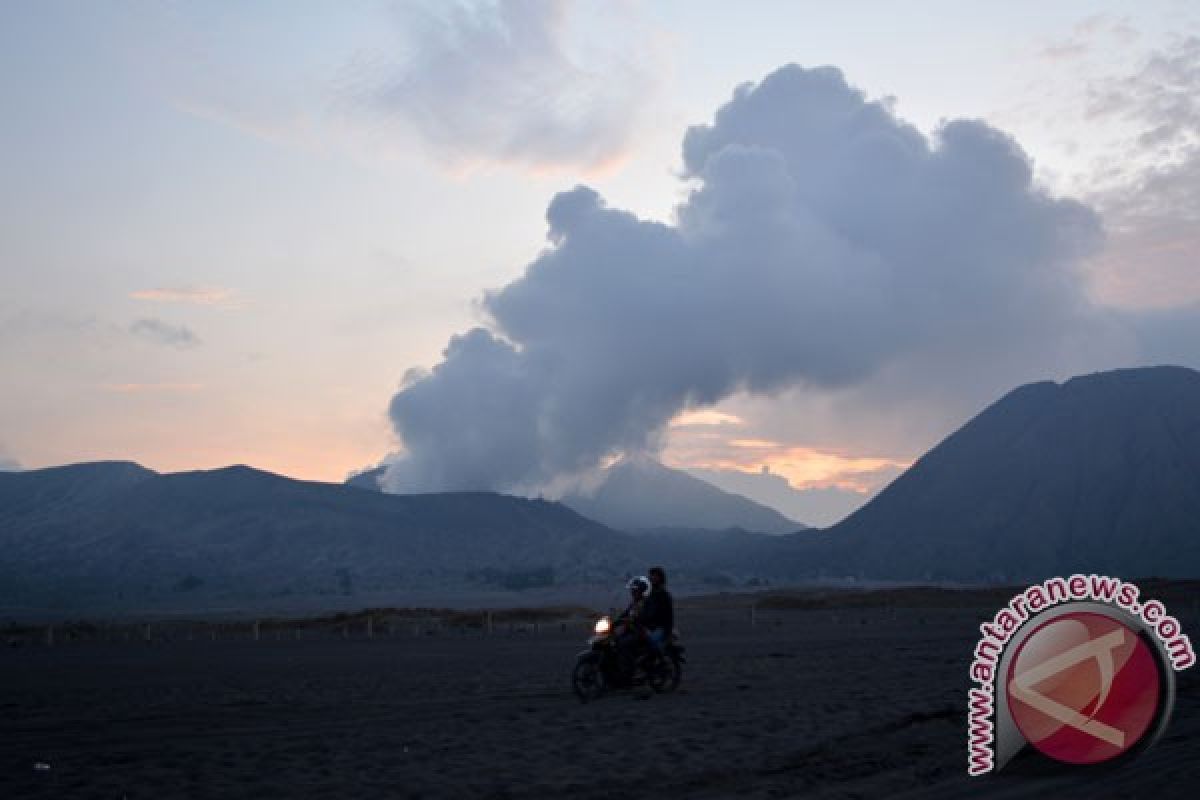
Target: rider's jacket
{"x":633,"y":612}
{"x":658,"y":611}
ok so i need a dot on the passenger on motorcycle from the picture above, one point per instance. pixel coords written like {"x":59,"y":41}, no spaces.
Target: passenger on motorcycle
{"x":658,"y":610}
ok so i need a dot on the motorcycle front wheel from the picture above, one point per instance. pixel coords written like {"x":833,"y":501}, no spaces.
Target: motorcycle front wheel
{"x":587,"y":680}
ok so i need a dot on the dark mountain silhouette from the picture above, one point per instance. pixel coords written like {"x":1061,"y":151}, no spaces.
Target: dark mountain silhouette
{"x":1100,"y":473}
{"x":93,"y":532}
{"x":102,"y":536}
{"x":639,"y":494}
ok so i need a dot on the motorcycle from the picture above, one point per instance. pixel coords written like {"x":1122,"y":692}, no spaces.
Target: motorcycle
{"x":598,"y":668}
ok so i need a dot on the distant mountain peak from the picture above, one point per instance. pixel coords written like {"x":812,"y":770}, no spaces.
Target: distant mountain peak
{"x":110,"y":466}
{"x":104,"y":473}
{"x":368,"y":478}
{"x":237,"y":471}
{"x":641,"y":493}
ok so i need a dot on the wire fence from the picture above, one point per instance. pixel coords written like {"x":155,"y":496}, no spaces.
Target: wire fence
{"x":366,"y":625}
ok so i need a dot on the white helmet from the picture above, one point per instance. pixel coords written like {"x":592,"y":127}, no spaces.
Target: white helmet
{"x":638,"y":584}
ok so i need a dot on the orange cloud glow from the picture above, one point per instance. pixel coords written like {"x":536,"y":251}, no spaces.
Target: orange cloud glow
{"x":705,"y":417}
{"x":802,"y":467}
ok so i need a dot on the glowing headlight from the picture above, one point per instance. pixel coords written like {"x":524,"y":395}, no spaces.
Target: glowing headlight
{"x":603,"y":625}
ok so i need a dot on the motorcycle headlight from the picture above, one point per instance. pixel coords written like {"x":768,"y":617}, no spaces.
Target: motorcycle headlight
{"x":603,"y":626}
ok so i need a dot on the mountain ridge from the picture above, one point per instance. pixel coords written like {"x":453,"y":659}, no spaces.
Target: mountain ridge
{"x":639,"y":494}
{"x":242,"y":532}
{"x":1100,"y":472}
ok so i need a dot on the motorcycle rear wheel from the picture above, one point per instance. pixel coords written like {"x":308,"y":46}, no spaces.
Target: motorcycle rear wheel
{"x":587,"y":680}
{"x":664,"y":675}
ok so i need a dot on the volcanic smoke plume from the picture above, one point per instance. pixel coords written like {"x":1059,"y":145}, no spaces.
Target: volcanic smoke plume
{"x":825,"y":239}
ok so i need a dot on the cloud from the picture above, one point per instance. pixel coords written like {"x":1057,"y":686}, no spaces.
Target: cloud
{"x":18,"y":324}
{"x":801,"y":467}
{"x":159,"y":332}
{"x":1149,"y":189}
{"x":8,"y":464}
{"x":1158,"y":98}
{"x":1090,"y":34}
{"x":818,"y":507}
{"x":542,"y":85}
{"x":826,"y":245}
{"x":192,"y":295}
{"x":509,"y":82}
{"x":705,"y":418}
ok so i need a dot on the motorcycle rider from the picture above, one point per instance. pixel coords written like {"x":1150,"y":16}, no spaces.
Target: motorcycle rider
{"x":637,"y":597}
{"x":657,"y":616}
{"x":630,"y":632}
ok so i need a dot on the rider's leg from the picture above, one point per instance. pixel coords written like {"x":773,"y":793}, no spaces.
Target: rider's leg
{"x":627,"y":651}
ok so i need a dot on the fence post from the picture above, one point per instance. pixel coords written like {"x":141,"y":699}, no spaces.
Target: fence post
{"x":489,"y":623}
{"x":370,"y":627}
{"x":50,"y":635}
{"x":257,"y":631}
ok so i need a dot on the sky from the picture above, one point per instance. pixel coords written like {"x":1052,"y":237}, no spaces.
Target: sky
{"x":500,"y":244}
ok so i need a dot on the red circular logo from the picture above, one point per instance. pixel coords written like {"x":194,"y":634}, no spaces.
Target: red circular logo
{"x":1083,"y":688}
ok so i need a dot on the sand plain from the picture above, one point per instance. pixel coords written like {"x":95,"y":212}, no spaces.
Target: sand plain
{"x":846,"y":696}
